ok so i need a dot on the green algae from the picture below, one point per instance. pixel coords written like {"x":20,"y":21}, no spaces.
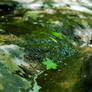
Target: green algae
{"x":10,"y":82}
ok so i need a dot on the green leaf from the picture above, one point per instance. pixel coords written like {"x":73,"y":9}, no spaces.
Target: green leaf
{"x":2,"y":39}
{"x":49,"y":64}
{"x":56,"y":34}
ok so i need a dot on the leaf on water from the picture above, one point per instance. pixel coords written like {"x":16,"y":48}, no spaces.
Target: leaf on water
{"x":56,"y":34}
{"x":49,"y":64}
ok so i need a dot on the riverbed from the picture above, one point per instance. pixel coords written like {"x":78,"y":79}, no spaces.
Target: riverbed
{"x":61,"y":33}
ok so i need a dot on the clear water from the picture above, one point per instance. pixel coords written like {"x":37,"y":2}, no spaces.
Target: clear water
{"x":32,"y":30}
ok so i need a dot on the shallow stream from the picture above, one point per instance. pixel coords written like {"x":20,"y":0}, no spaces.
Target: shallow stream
{"x":28,"y":37}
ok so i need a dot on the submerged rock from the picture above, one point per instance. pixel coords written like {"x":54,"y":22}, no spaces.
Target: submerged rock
{"x":12,"y":56}
{"x":10,"y":82}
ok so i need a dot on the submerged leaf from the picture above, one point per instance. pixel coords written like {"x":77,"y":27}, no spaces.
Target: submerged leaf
{"x":56,"y":34}
{"x":53,"y":39}
{"x":49,"y":64}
